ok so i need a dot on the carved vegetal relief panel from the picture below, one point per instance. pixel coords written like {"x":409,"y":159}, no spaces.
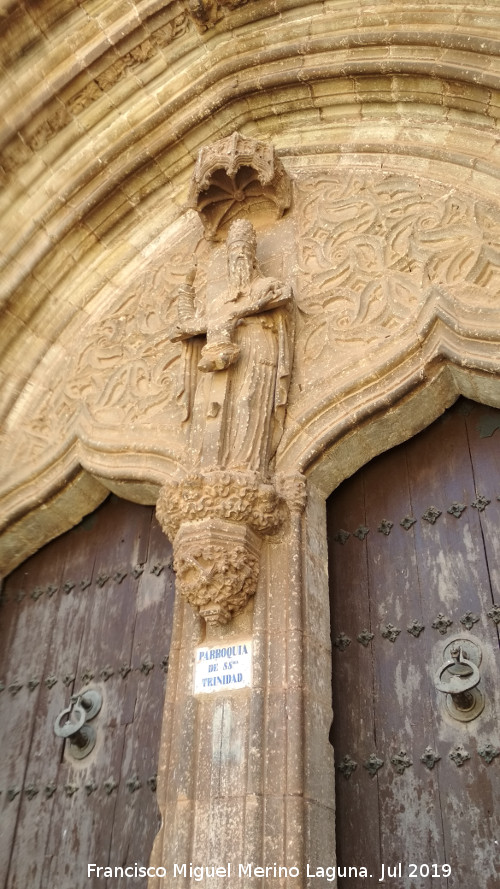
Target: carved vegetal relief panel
{"x":115,"y":379}
{"x":377,"y":251}
{"x":126,"y":369}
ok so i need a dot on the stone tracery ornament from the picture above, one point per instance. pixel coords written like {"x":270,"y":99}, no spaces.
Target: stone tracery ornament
{"x":233,"y":175}
{"x":236,"y":364}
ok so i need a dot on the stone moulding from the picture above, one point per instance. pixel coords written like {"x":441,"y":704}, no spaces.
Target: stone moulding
{"x":216,"y":521}
{"x":206,"y":13}
{"x":233,"y":172}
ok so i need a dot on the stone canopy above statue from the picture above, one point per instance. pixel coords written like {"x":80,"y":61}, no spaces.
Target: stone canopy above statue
{"x":238,"y":176}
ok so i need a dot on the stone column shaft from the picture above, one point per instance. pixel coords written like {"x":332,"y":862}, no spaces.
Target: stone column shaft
{"x":246,"y":777}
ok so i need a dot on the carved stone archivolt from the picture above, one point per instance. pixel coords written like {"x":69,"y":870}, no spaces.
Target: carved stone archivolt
{"x":206,"y":13}
{"x":237,"y":176}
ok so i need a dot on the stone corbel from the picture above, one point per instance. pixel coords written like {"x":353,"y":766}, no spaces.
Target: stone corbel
{"x":217,"y":521}
{"x":235,"y":176}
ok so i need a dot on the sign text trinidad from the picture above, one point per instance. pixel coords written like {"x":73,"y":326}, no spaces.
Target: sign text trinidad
{"x":223,"y":667}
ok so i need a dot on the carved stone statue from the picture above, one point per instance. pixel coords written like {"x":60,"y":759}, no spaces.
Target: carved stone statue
{"x":237,"y":353}
{"x":239,"y":400}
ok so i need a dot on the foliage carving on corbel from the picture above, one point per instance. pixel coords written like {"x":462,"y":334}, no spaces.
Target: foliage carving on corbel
{"x":216,"y":521}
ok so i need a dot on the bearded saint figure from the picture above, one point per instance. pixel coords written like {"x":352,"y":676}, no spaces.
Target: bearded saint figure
{"x":237,"y":356}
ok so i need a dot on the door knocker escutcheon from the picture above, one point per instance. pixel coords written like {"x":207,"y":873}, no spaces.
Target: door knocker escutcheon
{"x":458,"y":678}
{"x":72,"y":723}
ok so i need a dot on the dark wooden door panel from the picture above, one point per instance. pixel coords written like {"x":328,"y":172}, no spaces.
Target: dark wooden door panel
{"x":394,"y":582}
{"x":93,"y":608}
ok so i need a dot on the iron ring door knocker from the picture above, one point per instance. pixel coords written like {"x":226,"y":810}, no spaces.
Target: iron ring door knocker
{"x":72,"y":723}
{"x":459,"y":677}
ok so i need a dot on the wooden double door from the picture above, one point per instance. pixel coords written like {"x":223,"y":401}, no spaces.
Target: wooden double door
{"x":92,"y":611}
{"x":414,"y":560}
